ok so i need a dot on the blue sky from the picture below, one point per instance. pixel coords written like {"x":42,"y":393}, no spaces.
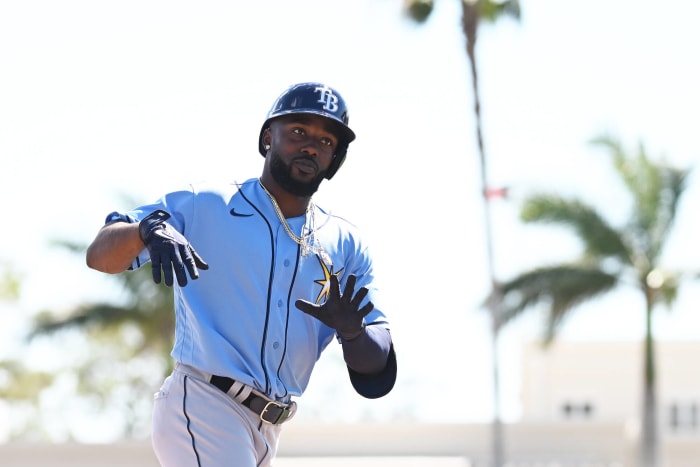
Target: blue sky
{"x":100,"y":99}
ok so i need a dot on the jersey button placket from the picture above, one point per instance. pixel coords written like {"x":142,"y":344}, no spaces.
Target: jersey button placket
{"x":283,"y":276}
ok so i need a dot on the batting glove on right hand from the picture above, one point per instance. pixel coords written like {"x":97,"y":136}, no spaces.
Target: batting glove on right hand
{"x":341,"y":312}
{"x":169,"y":250}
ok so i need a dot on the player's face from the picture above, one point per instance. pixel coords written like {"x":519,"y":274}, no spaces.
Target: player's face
{"x":303,"y":146}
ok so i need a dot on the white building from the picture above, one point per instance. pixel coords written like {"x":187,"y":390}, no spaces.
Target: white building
{"x":602,"y":382}
{"x":576,"y":386}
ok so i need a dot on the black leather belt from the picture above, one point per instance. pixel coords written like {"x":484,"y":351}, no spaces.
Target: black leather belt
{"x":269,"y":411}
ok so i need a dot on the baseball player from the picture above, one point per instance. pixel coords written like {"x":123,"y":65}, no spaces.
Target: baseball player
{"x":274,"y":279}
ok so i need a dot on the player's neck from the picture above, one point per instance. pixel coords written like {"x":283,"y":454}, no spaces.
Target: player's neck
{"x":290,"y":205}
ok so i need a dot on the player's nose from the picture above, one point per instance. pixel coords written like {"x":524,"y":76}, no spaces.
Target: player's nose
{"x":310,"y":148}
{"x":316,"y":148}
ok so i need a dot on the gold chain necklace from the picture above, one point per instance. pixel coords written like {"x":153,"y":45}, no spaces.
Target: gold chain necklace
{"x":307,"y":240}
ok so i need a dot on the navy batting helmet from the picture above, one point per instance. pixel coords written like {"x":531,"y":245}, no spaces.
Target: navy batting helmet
{"x":316,"y":99}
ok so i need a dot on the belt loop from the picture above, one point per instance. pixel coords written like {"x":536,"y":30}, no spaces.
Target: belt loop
{"x":239,"y":391}
{"x":192,"y":371}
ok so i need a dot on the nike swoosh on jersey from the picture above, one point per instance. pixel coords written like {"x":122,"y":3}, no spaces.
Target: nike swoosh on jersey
{"x":239,"y":214}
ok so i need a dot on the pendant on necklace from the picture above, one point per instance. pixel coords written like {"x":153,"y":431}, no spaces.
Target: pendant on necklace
{"x":306,"y":248}
{"x":325,"y":258}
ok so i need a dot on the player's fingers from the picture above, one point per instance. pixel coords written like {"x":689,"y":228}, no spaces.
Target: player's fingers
{"x":359,"y":296}
{"x":155,"y":269}
{"x":189,"y":262}
{"x":307,"y":307}
{"x":335,"y":286}
{"x":178,"y":266}
{"x":167,"y":267}
{"x":201,"y":264}
{"x":365,"y":310}
{"x":350,"y":287}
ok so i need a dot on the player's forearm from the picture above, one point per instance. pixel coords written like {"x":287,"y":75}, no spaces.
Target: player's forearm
{"x":368,"y":352}
{"x":114,"y":248}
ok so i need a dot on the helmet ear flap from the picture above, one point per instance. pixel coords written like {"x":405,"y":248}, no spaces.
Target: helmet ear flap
{"x":261,"y":141}
{"x":337,"y":161}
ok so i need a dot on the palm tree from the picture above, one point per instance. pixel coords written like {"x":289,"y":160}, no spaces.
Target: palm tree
{"x":135,"y":335}
{"x":149,"y":306}
{"x":626,"y":255}
{"x":473,"y":13}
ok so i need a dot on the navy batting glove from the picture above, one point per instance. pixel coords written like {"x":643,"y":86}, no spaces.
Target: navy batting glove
{"x":341,"y":312}
{"x":169,"y":250}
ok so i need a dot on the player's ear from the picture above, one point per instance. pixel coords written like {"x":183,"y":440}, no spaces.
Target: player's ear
{"x":266,"y":138}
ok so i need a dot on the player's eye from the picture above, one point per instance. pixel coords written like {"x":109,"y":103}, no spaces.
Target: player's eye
{"x":327,"y":141}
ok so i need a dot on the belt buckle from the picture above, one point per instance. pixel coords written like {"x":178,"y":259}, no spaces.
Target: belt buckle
{"x":286,"y":412}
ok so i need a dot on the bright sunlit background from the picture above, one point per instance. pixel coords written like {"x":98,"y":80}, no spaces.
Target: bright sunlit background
{"x":104,"y":99}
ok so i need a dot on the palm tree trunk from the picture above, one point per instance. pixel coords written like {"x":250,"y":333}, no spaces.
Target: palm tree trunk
{"x":470,"y":19}
{"x":649,"y":440}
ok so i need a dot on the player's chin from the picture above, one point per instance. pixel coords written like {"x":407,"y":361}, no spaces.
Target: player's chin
{"x":305,"y":186}
{"x":306,"y":177}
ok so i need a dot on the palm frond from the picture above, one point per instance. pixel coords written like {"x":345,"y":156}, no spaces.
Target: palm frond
{"x":673,"y":184}
{"x":491,"y":11}
{"x":656,"y":189}
{"x":558,"y":288}
{"x":101,"y":314}
{"x":146,"y":305}
{"x":599,"y":238}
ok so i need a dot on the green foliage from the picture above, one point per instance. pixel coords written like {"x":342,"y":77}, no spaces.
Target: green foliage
{"x":612,"y":254}
{"x":560,"y":287}
{"x":491,"y":11}
{"x":600,"y":239}
{"x":656,"y":189}
{"x":114,"y":352}
{"x":626,"y":254}
{"x":9,"y":282}
{"x":418,"y":10}
{"x":487,"y":10}
{"x":17,"y":383}
{"x":149,"y":307}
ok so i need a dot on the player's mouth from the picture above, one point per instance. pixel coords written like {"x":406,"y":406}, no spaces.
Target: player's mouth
{"x":305,"y":165}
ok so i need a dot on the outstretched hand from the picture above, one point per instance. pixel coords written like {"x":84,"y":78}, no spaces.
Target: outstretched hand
{"x":341,"y":312}
{"x":169,"y":250}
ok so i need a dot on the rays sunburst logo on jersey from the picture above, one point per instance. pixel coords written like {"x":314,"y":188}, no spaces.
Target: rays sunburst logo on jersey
{"x":325,"y":283}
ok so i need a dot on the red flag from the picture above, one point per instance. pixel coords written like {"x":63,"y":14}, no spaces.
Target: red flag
{"x":496,"y":193}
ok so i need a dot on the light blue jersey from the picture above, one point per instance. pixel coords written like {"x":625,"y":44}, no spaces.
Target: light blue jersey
{"x":239,"y":319}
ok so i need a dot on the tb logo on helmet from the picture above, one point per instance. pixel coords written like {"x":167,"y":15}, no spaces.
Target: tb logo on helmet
{"x":328,"y":99}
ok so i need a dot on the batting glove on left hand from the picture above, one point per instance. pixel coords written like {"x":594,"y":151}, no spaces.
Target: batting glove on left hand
{"x":341,"y":312}
{"x":169,"y":250}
